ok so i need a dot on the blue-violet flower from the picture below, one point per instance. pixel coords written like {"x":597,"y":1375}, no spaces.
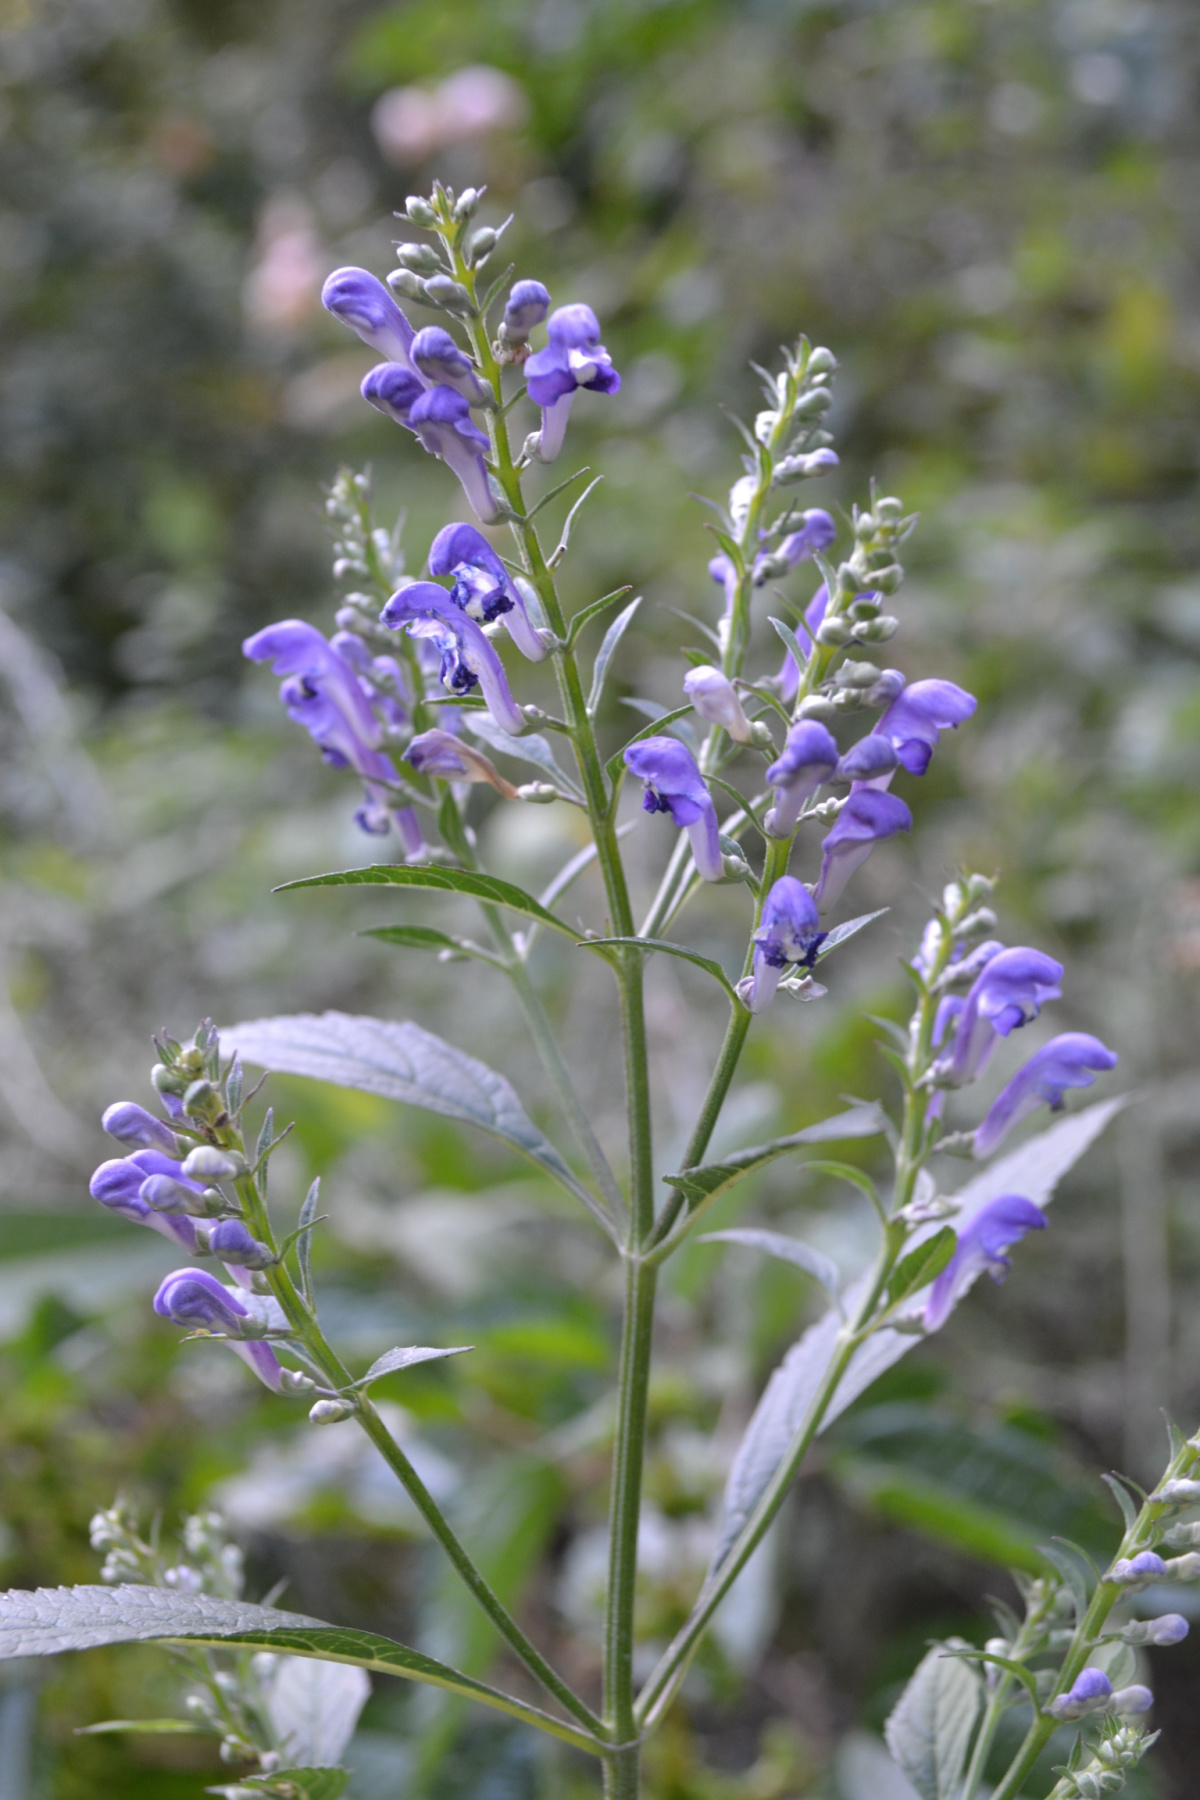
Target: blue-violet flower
{"x":675,"y":785}
{"x":808,"y":758}
{"x":1068,"y":1061}
{"x":197,"y":1300}
{"x":790,"y":933}
{"x":1009,"y":991}
{"x":527,"y":305}
{"x":468,"y":659}
{"x":483,"y":586}
{"x":714,"y":697}
{"x":981,"y":1245}
{"x":361,"y":301}
{"x":573,"y":359}
{"x":867,"y":818}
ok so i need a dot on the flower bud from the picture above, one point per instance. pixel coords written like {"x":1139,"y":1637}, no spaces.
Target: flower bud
{"x":467,"y":205}
{"x":1183,"y":1537}
{"x":814,"y":404}
{"x":877,"y":631}
{"x":422,"y":259}
{"x":1141,"y":1570}
{"x":445,"y":292}
{"x":1177,"y":1493}
{"x":1183,"y":1568}
{"x":482,"y":244}
{"x":820,"y":362}
{"x":835,"y":631}
{"x":539,"y":793}
{"x":888,"y":579}
{"x":420,"y":212}
{"x":132,"y":1125}
{"x":202,"y":1099}
{"x":207,"y":1163}
{"x":291,"y":1381}
{"x":331,"y":1412}
{"x":1169,"y":1628}
{"x":406,"y":285}
{"x":857,"y":675}
{"x":165,"y":1080}
{"x":231,"y":1241}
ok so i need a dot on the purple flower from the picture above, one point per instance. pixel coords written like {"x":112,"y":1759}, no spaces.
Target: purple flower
{"x":324,"y":693}
{"x":439,"y":359}
{"x":715,"y":699}
{"x":675,"y":785}
{"x":573,"y":359}
{"x":789,"y":933}
{"x":1067,"y":1061}
{"x":1011,"y":990}
{"x":815,"y":535}
{"x":483,"y":586}
{"x":917,"y":715}
{"x":1138,"y":1571}
{"x":392,"y":388}
{"x":809,"y":757}
{"x":1168,"y":1628}
{"x":127,"y":1184}
{"x":981,"y":1245}
{"x":1093,"y":1692}
{"x":133,"y":1125}
{"x":789,"y":674}
{"x":233,"y":1243}
{"x":442,"y":420}
{"x":468,"y":659}
{"x":872,"y":761}
{"x":867,"y":818}
{"x":363,"y":303}
{"x":441,"y":753}
{"x":196,"y":1299}
{"x":528,"y":303}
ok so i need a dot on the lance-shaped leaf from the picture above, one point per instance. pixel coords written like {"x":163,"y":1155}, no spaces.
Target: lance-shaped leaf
{"x":403,"y":1357}
{"x":533,"y":749}
{"x":705,"y":1185}
{"x":606,"y":652}
{"x":488,"y":888}
{"x":400,"y":1061}
{"x":1034,"y":1170}
{"x":929,"y":1732}
{"x":50,"y":1620}
{"x":787,"y":1249}
{"x":707,"y":963}
{"x":850,"y":929}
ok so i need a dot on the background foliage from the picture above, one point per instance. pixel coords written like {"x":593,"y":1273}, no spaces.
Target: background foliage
{"x":988,"y":209}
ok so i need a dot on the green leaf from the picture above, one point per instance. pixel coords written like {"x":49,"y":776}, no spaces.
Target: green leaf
{"x":1024,"y":1676}
{"x":452,"y":828}
{"x":308,"y":1214}
{"x":922,"y":1265}
{"x":588,"y":613}
{"x":564,"y":542}
{"x":555,"y":491}
{"x":152,"y":1727}
{"x":701,"y":962}
{"x":488,"y":888}
{"x":51,"y":1620}
{"x":850,"y":929}
{"x":704,"y":1185}
{"x":404,"y":1357}
{"x":1123,"y":1498}
{"x":423,"y":937}
{"x":612,"y":638}
{"x":787,"y":1249}
{"x":791,"y":642}
{"x":929,"y":1731}
{"x":399,"y":1061}
{"x":306,"y":1784}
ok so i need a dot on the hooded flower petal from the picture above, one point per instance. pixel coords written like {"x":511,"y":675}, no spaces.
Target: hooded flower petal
{"x":442,"y":420}
{"x":483,"y":586}
{"x":714,"y":697}
{"x":468,"y":659}
{"x":197,"y":1300}
{"x":872,"y":761}
{"x":867,"y":818}
{"x":1068,"y":1061}
{"x":917,"y":715}
{"x":816,"y":534}
{"x":809,"y":757}
{"x":981,"y":1245}
{"x":527,"y":305}
{"x":790,"y":933}
{"x":441,"y":753}
{"x":119,"y":1184}
{"x":133,"y":1125}
{"x":675,"y":785}
{"x":439,"y":359}
{"x":362,"y":302}
{"x":1010,"y":990}
{"x":574,"y":358}
{"x":392,"y":388}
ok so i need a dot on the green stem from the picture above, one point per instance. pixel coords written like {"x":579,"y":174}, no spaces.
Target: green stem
{"x":1023,"y":1644}
{"x":304,"y":1326}
{"x":622,"y":1774}
{"x":625,"y":1507}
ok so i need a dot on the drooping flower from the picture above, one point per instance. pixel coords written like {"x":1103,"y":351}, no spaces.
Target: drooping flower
{"x":442,"y":420}
{"x":981,"y":1245}
{"x":233,"y":1243}
{"x":527,"y":305}
{"x":916,"y":716}
{"x":439,"y":359}
{"x":1138,"y":1571}
{"x":1093,"y":1692}
{"x":119,"y":1184}
{"x":362,"y":302}
{"x":441,"y":753}
{"x":573,"y":359}
{"x":816,"y":534}
{"x":468,"y":659}
{"x":393,"y":389}
{"x":133,"y":1125}
{"x":197,"y":1300}
{"x":867,"y":818}
{"x":483,"y":586}
{"x":872,"y":761}
{"x":1068,"y":1061}
{"x":675,"y":785}
{"x":809,"y":757}
{"x":714,"y":697}
{"x":1009,"y":991}
{"x":790,"y":933}
{"x":323,"y":692}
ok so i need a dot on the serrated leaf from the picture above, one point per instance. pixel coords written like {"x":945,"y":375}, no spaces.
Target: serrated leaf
{"x":1123,"y":1498}
{"x":313,"y":1707}
{"x":922,"y":1265}
{"x":533,"y":749}
{"x":788,"y":1249}
{"x":404,"y":1357}
{"x":51,"y":1620}
{"x":488,"y":888}
{"x":929,"y":1732}
{"x":1033,"y":1170}
{"x":850,"y":929}
{"x":604,"y":655}
{"x":706,"y":963}
{"x":401,"y":1061}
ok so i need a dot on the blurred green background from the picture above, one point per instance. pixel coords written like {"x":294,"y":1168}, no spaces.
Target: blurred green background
{"x":988,"y":209}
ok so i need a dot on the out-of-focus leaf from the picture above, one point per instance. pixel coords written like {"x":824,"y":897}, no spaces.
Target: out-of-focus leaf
{"x":314,"y":1706}
{"x":150,"y":1727}
{"x":704,"y":1185}
{"x":788,"y":1249}
{"x":533,"y":749}
{"x":400,"y":1061}
{"x":488,"y":888}
{"x":701,"y":962}
{"x":309,"y":1784}
{"x":47,"y":1621}
{"x":922,"y":1265}
{"x":929,"y":1731}
{"x":1034,"y":1171}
